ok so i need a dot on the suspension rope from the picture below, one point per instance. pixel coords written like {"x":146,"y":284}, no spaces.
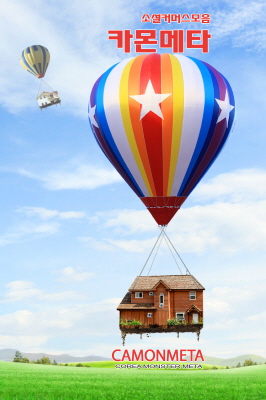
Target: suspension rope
{"x":40,"y":85}
{"x":162,"y":228}
{"x":48,"y":85}
{"x":172,"y":253}
{"x":197,"y":283}
{"x":148,"y":257}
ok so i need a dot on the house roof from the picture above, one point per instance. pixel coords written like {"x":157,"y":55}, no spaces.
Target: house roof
{"x":193,"y":307}
{"x":55,"y":93}
{"x":127,"y":305}
{"x":174,"y":282}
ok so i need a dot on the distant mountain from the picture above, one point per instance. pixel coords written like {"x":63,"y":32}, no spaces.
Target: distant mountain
{"x":232,"y":362}
{"x":8,"y":355}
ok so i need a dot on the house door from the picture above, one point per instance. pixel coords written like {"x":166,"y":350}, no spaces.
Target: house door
{"x":195,"y":318}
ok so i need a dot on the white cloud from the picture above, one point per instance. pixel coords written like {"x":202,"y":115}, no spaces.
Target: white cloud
{"x":235,"y":219}
{"x":257,"y":317}
{"x":70,"y":275}
{"x":45,"y":213}
{"x":22,"y":342}
{"x":239,"y":186}
{"x":19,"y":285}
{"x":76,"y":177}
{"x":76,"y":61}
{"x":19,"y":291}
{"x":221,"y":227}
{"x":242,"y":23}
{"x":51,"y":320}
{"x":80,"y":50}
{"x":28,"y":231}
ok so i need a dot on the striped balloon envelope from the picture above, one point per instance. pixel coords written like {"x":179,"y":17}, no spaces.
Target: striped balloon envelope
{"x":35,"y":59}
{"x":161,"y":120}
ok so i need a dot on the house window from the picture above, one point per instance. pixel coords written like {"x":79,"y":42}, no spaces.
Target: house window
{"x":149,"y":315}
{"x":180,"y":316}
{"x":139,"y":295}
{"x":151,"y":294}
{"x":192,"y":295}
{"x":161,"y":300}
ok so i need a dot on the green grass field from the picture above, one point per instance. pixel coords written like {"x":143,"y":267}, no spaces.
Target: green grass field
{"x":39,"y":382}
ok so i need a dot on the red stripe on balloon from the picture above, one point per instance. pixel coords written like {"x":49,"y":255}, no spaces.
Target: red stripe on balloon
{"x":152,"y":123}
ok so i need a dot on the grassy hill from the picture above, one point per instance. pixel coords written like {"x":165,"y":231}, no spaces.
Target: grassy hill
{"x":8,"y":355}
{"x":32,"y":381}
{"x":232,"y":362}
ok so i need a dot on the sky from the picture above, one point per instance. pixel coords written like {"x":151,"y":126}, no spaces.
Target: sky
{"x":73,"y":235}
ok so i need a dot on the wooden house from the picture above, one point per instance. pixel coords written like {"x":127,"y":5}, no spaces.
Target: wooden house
{"x":154,"y":300}
{"x":47,"y":99}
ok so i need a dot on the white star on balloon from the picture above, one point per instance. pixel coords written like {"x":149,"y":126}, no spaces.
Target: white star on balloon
{"x":225,"y":108}
{"x":150,"y":101}
{"x":92,"y":116}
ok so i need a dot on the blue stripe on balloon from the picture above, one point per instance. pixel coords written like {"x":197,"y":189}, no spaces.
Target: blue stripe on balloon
{"x":35,"y":48}
{"x":207,"y":124}
{"x":106,"y":133}
{"x":27,"y":65}
{"x":35,"y":67}
{"x":44,"y":59}
{"x":230,"y":122}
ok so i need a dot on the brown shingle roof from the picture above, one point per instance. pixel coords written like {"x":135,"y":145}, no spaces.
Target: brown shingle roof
{"x":126,"y":304}
{"x":181,"y":282}
{"x":136,"y":306}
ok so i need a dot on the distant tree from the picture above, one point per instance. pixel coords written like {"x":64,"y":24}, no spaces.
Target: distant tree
{"x":79,"y":365}
{"x":18,"y":357}
{"x":25,"y":360}
{"x":45,"y":360}
{"x":37,"y":362}
{"x":227,"y":367}
{"x":66,"y":364}
{"x":248,"y":362}
{"x":55,"y":362}
{"x":238,"y":365}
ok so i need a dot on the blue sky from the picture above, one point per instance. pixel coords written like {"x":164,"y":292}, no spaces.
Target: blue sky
{"x":74,"y":236}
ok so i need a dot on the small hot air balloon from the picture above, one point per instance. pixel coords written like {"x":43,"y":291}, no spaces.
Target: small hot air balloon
{"x":35,"y":59}
{"x":162,"y":120}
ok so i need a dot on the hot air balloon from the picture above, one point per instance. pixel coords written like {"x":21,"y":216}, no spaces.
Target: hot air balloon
{"x":35,"y":59}
{"x":162,"y":120}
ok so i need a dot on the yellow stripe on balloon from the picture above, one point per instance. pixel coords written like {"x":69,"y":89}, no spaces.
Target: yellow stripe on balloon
{"x":124,"y":108}
{"x":178,"y":114}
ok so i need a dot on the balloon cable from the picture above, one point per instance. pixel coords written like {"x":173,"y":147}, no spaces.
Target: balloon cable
{"x":172,"y":253}
{"x":197,"y":283}
{"x":48,"y":85}
{"x":161,"y":233}
{"x":40,"y":86}
{"x":156,"y":252}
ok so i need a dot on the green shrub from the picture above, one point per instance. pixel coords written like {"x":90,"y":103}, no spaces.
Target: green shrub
{"x":173,"y":322}
{"x":135,"y":323}
{"x":18,"y":357}
{"x":79,"y":365}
